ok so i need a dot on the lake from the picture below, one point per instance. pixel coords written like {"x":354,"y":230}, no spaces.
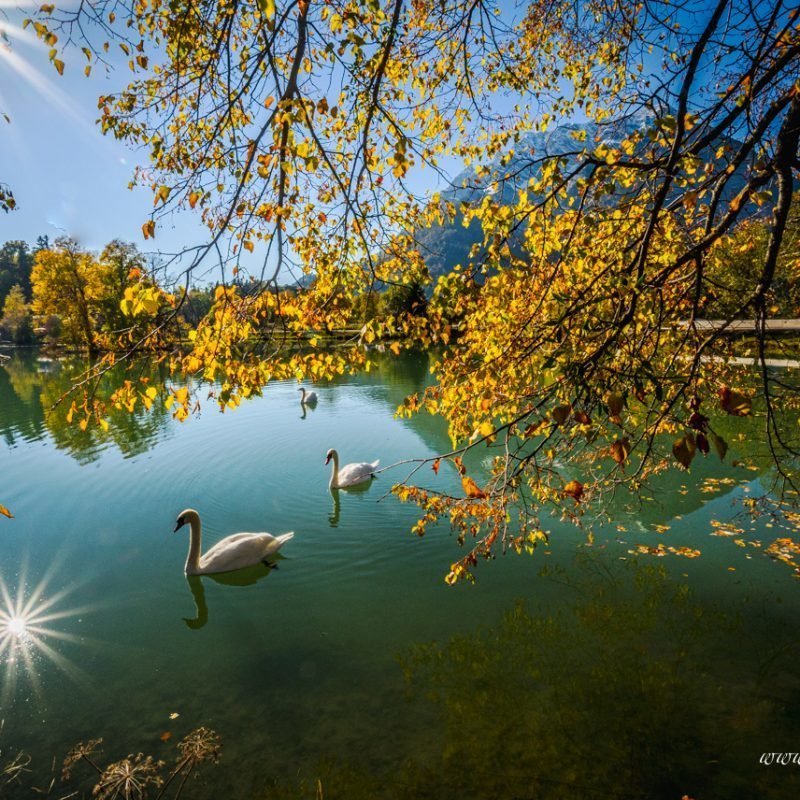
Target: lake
{"x":353,"y":670}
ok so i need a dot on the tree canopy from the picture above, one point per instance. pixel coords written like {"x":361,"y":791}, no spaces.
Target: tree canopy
{"x":298,"y":131}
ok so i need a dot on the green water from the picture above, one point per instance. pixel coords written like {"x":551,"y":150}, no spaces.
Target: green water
{"x":580,"y":672}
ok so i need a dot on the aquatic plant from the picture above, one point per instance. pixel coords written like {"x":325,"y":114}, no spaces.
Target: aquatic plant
{"x":135,"y":777}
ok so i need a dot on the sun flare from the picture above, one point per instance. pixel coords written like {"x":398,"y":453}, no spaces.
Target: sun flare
{"x":28,"y":635}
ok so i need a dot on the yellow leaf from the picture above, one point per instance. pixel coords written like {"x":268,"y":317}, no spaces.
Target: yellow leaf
{"x":5,"y":512}
{"x":149,"y":229}
{"x":267,"y":8}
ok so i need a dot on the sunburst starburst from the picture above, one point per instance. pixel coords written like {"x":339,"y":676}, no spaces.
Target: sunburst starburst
{"x":26,"y":633}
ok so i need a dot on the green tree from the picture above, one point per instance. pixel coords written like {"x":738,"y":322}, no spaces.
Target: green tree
{"x":408,"y":299}
{"x":16,"y":322}
{"x":735,"y":265}
{"x":16,"y":262}
{"x":120,"y":264}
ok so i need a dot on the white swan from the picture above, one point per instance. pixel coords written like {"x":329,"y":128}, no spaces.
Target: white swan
{"x":308,"y":397}
{"x":349,"y":474}
{"x":233,"y":552}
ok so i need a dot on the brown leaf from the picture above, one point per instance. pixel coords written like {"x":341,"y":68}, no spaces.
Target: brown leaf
{"x":582,"y":418}
{"x":534,"y":428}
{"x":560,"y":414}
{"x":735,"y":403}
{"x":615,"y":403}
{"x":719,"y":444}
{"x":620,"y":450}
{"x":574,"y":489}
{"x":684,"y":449}
{"x":459,"y":466}
{"x":166,"y":736}
{"x":436,"y":464}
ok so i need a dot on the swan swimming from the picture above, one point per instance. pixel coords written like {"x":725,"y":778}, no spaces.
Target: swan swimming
{"x":308,"y":397}
{"x":234,"y":552}
{"x":349,"y":474}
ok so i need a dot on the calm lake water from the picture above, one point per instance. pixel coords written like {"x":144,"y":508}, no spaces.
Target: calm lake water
{"x":353,"y":670}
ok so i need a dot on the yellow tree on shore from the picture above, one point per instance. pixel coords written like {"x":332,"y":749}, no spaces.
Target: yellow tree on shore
{"x":65,"y":282}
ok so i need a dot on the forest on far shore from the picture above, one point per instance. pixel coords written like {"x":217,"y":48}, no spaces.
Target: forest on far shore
{"x":58,"y":293}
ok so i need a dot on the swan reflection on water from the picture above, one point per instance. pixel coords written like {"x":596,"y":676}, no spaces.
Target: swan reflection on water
{"x":333,"y":517}
{"x":240,"y":577}
{"x":336,"y":496}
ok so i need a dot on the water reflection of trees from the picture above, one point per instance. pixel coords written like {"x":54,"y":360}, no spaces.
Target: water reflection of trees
{"x":31,"y":388}
{"x":630,"y":688}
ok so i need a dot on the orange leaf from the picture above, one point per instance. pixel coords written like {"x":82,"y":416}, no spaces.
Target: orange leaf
{"x":435,"y":466}
{"x":574,"y":489}
{"x":6,"y":513}
{"x":471,"y":488}
{"x":166,"y":736}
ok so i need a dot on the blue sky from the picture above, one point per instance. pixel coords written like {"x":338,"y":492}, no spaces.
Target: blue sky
{"x":66,"y":176}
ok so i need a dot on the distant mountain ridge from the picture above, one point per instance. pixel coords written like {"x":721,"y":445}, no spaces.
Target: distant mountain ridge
{"x":445,"y":246}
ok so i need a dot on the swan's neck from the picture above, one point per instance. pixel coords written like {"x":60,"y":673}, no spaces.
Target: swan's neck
{"x":334,"y":471}
{"x":193,"y":559}
{"x":303,"y":396}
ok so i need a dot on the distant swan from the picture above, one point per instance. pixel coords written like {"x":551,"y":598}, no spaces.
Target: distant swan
{"x":350,"y":474}
{"x":308,"y":397}
{"x":233,"y":552}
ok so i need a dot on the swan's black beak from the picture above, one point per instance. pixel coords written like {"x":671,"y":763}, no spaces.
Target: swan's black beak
{"x":327,"y":459}
{"x":178,"y":525}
